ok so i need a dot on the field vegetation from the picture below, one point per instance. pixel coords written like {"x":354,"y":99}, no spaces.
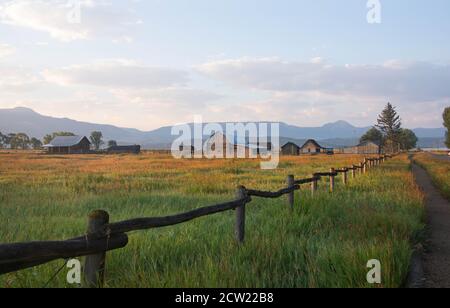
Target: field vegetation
{"x":325,"y":242}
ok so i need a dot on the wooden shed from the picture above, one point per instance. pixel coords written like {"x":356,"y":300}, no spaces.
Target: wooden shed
{"x":123,"y":149}
{"x":69,"y":145}
{"x":290,"y":149}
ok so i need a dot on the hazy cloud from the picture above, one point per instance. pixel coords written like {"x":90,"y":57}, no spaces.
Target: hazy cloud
{"x":117,"y":74}
{"x":6,"y":50}
{"x":51,"y":16}
{"x":416,"y":82}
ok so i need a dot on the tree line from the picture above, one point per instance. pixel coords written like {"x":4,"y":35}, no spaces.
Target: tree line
{"x":389,"y":134}
{"x":21,"y":141}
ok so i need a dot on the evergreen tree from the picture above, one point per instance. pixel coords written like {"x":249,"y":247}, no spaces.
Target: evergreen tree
{"x":390,"y":125}
{"x":446,"y":116}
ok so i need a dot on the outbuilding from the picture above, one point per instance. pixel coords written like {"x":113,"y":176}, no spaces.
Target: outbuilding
{"x":290,"y":149}
{"x":69,"y":145}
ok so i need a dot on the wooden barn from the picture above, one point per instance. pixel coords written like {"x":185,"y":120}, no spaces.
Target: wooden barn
{"x":290,"y":149}
{"x":367,"y":147}
{"x":69,"y":145}
{"x":124,"y":149}
{"x":312,"y":147}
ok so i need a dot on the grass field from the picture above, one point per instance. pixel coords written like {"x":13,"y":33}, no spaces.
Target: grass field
{"x":325,"y":242}
{"x":438,"y":169}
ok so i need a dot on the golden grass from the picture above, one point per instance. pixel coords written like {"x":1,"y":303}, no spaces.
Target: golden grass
{"x":325,"y":242}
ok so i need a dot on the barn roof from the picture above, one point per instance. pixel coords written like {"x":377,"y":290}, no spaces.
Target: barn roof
{"x":290,"y":143}
{"x":313,"y":142}
{"x":65,"y":141}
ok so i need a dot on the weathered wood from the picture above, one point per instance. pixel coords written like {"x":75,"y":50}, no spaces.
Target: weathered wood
{"x":365,"y":166}
{"x":290,"y":181}
{"x":94,"y":265}
{"x":272,"y":195}
{"x":305,"y":181}
{"x":332,"y":171}
{"x":355,"y":168}
{"x":240,"y":216}
{"x":14,"y":257}
{"x":158,"y":222}
{"x":344,"y":178}
{"x":314,"y":185}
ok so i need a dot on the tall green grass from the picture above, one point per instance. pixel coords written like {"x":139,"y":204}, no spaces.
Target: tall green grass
{"x":325,"y":242}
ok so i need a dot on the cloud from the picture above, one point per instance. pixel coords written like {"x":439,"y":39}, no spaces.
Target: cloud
{"x":59,"y":18}
{"x":18,"y":80}
{"x":117,"y":74}
{"x":416,"y":82}
{"x":6,"y":50}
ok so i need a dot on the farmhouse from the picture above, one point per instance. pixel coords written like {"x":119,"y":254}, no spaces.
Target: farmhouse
{"x":311,"y":146}
{"x":69,"y":145}
{"x":290,"y":149}
{"x":368,"y":147}
{"x":133,"y":149}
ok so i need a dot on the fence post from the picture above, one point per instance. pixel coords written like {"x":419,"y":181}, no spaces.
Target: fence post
{"x":314,"y":185}
{"x":365,"y":166}
{"x":332,"y":180}
{"x":344,"y":177}
{"x":240,"y":216}
{"x":291,"y":183}
{"x":354,"y":172}
{"x":94,"y":265}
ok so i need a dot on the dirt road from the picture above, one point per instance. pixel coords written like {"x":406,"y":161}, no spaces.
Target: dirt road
{"x":436,"y":256}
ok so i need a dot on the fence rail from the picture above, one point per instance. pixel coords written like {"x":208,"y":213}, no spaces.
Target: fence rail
{"x":103,"y":236}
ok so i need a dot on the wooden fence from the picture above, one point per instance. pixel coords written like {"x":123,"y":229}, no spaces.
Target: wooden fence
{"x":103,"y":236}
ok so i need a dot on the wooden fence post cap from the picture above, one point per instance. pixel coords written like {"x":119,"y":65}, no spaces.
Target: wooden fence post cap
{"x":241,"y":188}
{"x":100,"y":215}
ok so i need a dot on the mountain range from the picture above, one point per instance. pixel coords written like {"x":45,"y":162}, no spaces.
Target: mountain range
{"x":340,"y":133}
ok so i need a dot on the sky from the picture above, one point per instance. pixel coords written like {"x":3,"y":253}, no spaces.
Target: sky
{"x":151,"y":63}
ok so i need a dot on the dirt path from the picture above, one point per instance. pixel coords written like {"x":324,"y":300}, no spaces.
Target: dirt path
{"x":436,"y":256}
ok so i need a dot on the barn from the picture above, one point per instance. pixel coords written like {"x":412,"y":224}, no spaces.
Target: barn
{"x":69,"y":145}
{"x":368,"y":147}
{"x":311,"y":147}
{"x":290,"y":149}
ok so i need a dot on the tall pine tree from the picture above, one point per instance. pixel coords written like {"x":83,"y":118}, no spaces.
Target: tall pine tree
{"x":390,"y":125}
{"x":447,"y":125}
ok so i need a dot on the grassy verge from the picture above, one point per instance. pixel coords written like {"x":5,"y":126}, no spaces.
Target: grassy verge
{"x":325,"y":242}
{"x":439,"y":170}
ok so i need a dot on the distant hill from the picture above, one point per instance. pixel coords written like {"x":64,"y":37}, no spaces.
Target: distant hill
{"x":335,"y":134}
{"x":27,"y":121}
